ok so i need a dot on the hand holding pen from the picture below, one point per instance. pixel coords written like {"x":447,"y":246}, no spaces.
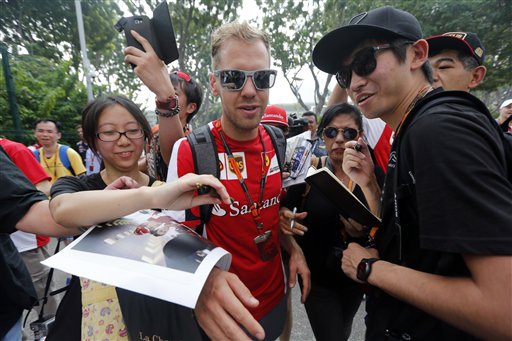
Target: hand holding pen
{"x":289,"y":221}
{"x":292,"y":222}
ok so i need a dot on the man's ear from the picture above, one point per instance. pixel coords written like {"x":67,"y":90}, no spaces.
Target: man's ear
{"x":191,"y":107}
{"x":213,"y":85}
{"x":420,"y":54}
{"x":477,"y":76}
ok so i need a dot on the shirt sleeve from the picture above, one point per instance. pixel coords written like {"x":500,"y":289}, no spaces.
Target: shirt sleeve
{"x":18,"y":194}
{"x":27,"y":163}
{"x":76,"y":161}
{"x":68,"y":184}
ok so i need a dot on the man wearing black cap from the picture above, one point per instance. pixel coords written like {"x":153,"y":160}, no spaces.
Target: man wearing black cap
{"x":441,"y":268}
{"x":457,"y":59}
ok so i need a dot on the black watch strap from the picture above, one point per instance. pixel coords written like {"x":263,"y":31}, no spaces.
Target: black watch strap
{"x":365,"y":268}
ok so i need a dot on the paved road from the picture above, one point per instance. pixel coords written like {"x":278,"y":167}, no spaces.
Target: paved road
{"x":301,"y":330}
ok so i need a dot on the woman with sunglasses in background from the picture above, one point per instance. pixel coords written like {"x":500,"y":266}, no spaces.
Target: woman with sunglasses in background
{"x":322,"y":233}
{"x":115,"y":128}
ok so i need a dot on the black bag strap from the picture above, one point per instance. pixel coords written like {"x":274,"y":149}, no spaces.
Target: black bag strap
{"x":279,"y":143}
{"x":206,"y":161}
{"x":206,"y":158}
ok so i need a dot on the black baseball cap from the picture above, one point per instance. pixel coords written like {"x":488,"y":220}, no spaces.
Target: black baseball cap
{"x":467,"y":42}
{"x":381,"y":23}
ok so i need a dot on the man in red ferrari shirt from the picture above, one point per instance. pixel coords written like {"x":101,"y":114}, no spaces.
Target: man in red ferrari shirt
{"x":249,"y":227}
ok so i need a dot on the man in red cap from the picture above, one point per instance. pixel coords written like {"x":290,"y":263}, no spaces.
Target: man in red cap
{"x":276,"y":116}
{"x":457,"y":59}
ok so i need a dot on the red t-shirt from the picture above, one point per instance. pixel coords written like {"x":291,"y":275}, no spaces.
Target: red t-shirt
{"x":232,"y":226}
{"x":23,"y":157}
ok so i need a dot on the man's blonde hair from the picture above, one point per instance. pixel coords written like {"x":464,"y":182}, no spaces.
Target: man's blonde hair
{"x":235,"y":30}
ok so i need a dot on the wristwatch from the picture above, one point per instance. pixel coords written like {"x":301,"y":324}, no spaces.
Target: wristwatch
{"x":171,"y":106}
{"x":365,"y":268}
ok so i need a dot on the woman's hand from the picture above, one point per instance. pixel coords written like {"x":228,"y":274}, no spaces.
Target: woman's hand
{"x":353,"y":228}
{"x":182,"y":193}
{"x":358,"y":165}
{"x":123,"y":182}
{"x":286,"y":217}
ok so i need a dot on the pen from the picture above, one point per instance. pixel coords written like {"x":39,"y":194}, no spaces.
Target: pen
{"x":292,"y":222}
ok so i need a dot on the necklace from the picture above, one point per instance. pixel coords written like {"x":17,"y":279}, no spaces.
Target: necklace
{"x":52,"y":169}
{"x":266,"y":248}
{"x":419,"y":96}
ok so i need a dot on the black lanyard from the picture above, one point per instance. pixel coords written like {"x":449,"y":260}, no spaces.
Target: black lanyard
{"x":255,"y":206}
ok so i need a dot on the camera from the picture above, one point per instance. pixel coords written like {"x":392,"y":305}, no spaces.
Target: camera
{"x":42,"y":327}
{"x":296,"y":125}
{"x":157,"y":30}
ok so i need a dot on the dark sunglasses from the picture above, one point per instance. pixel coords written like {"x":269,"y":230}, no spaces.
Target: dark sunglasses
{"x":363,"y":64}
{"x":234,"y":80}
{"x":348,"y":134}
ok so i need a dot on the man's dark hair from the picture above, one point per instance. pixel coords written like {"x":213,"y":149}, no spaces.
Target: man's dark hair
{"x":468,"y":61}
{"x":310,"y":113}
{"x":192,"y":90}
{"x":399,"y":48}
{"x":58,"y":125}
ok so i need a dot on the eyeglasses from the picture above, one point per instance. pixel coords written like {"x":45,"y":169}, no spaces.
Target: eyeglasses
{"x":363,"y":64}
{"x":182,"y":75}
{"x":234,"y":80}
{"x":112,"y":135}
{"x":348,"y":134}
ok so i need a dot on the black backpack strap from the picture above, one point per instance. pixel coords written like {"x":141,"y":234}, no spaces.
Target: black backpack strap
{"x":206,"y":161}
{"x":279,"y":143}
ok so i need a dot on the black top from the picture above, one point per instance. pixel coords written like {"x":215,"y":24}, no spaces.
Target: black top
{"x":453,"y":199}
{"x":17,"y":195}
{"x":323,"y":241}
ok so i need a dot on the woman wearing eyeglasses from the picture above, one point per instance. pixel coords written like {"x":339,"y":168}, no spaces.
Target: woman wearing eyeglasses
{"x":322,"y":233}
{"x":115,"y":128}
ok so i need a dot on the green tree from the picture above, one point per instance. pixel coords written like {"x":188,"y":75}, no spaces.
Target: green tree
{"x":43,"y":89}
{"x":193,"y":22}
{"x":296,"y":26}
{"x":48,"y":28}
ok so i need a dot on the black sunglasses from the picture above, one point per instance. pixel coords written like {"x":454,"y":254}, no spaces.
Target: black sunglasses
{"x":363,"y":64}
{"x":349,"y":134}
{"x":234,"y":80}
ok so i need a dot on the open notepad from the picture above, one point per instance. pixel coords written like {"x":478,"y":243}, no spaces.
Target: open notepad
{"x":347,"y":203}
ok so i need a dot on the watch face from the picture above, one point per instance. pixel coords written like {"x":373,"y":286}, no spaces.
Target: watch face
{"x":362,"y":269}
{"x":170,"y":105}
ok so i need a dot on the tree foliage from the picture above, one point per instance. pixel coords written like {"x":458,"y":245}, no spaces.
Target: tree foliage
{"x":43,"y":89}
{"x":48,"y":29}
{"x":42,"y":37}
{"x":296,"y":26}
